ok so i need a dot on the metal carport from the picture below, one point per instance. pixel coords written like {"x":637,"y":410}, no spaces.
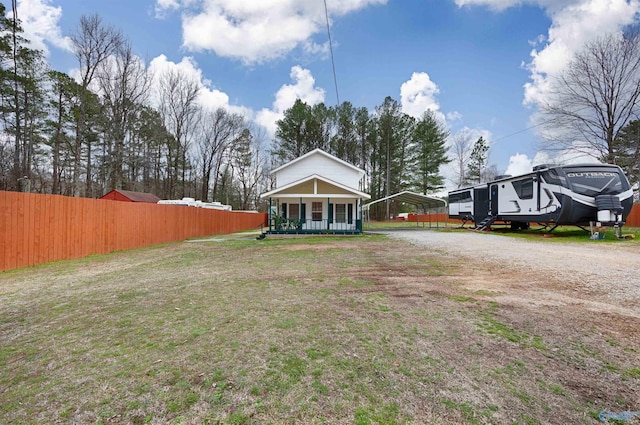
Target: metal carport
{"x":426,"y":202}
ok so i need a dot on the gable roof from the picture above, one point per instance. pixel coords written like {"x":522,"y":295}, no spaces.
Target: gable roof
{"x":133,"y":196}
{"x":355,"y":193}
{"x":320,"y":152}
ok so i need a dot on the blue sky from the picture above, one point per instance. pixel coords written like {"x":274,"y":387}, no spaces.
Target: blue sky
{"x":481,"y":65}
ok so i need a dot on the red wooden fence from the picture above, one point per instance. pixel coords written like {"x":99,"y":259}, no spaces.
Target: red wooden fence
{"x":36,"y":228}
{"x":632,"y":219}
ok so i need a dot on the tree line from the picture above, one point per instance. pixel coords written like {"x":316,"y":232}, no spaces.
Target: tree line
{"x":86,"y":135}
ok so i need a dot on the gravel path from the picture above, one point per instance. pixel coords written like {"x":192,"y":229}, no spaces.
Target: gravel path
{"x":612,"y":269}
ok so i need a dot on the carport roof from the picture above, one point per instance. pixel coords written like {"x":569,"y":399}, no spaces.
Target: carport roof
{"x":424,"y":201}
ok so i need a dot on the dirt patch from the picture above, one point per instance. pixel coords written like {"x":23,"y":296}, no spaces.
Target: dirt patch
{"x":317,"y":247}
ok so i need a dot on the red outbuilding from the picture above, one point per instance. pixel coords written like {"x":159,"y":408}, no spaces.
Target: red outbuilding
{"x":129,"y":196}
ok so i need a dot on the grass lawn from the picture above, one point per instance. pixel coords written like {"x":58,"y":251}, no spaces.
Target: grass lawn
{"x":355,"y":330}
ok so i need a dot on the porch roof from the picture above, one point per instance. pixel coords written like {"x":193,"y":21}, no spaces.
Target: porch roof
{"x":311,"y":190}
{"x":412,"y":198}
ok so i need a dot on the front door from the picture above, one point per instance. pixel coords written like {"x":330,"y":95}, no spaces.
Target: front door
{"x":493,"y":198}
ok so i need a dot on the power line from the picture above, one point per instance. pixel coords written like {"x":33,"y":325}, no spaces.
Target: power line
{"x":519,"y":131}
{"x":543,"y":122}
{"x":333,"y":64}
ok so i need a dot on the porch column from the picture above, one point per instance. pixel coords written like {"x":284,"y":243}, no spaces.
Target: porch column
{"x":359,"y":223}
{"x":270,"y":203}
{"x":329,"y":213}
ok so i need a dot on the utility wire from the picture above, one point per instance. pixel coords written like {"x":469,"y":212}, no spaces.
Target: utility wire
{"x":333,"y":64}
{"x":543,"y":122}
{"x":519,"y":131}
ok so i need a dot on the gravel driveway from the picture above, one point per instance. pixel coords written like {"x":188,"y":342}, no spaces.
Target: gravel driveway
{"x":609,"y":269}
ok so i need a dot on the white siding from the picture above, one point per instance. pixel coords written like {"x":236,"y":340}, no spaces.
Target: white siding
{"x":321,"y":165}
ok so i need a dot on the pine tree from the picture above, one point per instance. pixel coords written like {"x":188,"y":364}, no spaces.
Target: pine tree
{"x":478,"y":161}
{"x":429,"y":153}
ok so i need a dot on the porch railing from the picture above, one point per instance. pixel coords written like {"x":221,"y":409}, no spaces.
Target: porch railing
{"x":315,"y":226}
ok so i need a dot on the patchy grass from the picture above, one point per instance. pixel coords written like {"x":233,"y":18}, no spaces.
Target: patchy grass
{"x":360,"y":330}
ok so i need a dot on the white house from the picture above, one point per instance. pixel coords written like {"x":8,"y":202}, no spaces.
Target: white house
{"x":316,"y":193}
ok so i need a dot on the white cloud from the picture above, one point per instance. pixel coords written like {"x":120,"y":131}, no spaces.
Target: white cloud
{"x":162,"y":6}
{"x":255,"y":31}
{"x":500,"y":5}
{"x":418,"y":95}
{"x":573,"y":155}
{"x":209,"y":96}
{"x":40,"y":24}
{"x":573,"y":25}
{"x":454,"y":116}
{"x":519,"y":164}
{"x":522,"y":164}
{"x":471,"y":135}
{"x":303,"y":88}
{"x":493,"y":4}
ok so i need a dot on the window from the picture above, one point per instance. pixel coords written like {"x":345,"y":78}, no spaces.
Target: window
{"x":294,"y":211}
{"x":524,"y":188}
{"x":341,"y":213}
{"x":455,"y":198}
{"x":316,"y":211}
{"x":592,"y":181}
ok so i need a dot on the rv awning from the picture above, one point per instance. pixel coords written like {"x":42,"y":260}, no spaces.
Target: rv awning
{"x":424,"y":201}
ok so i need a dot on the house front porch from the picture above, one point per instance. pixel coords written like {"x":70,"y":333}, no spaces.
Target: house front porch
{"x":314,"y":215}
{"x":315,"y":205}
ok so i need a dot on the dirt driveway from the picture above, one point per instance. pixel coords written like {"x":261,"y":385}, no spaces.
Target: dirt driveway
{"x":588,"y":277}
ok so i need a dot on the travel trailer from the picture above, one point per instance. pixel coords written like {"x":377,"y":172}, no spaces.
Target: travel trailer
{"x":551,"y":194}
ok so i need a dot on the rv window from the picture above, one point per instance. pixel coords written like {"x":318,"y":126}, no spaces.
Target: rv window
{"x":524,"y":188}
{"x":592,"y":181}
{"x":460,"y":197}
{"x":552,"y":176}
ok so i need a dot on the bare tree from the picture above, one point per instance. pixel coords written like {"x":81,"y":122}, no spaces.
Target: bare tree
{"x":180,"y":112}
{"x":460,"y":151}
{"x":249,"y":161}
{"x":595,"y":96}
{"x":216,"y":132}
{"x":93,"y":44}
{"x":124,"y":84}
